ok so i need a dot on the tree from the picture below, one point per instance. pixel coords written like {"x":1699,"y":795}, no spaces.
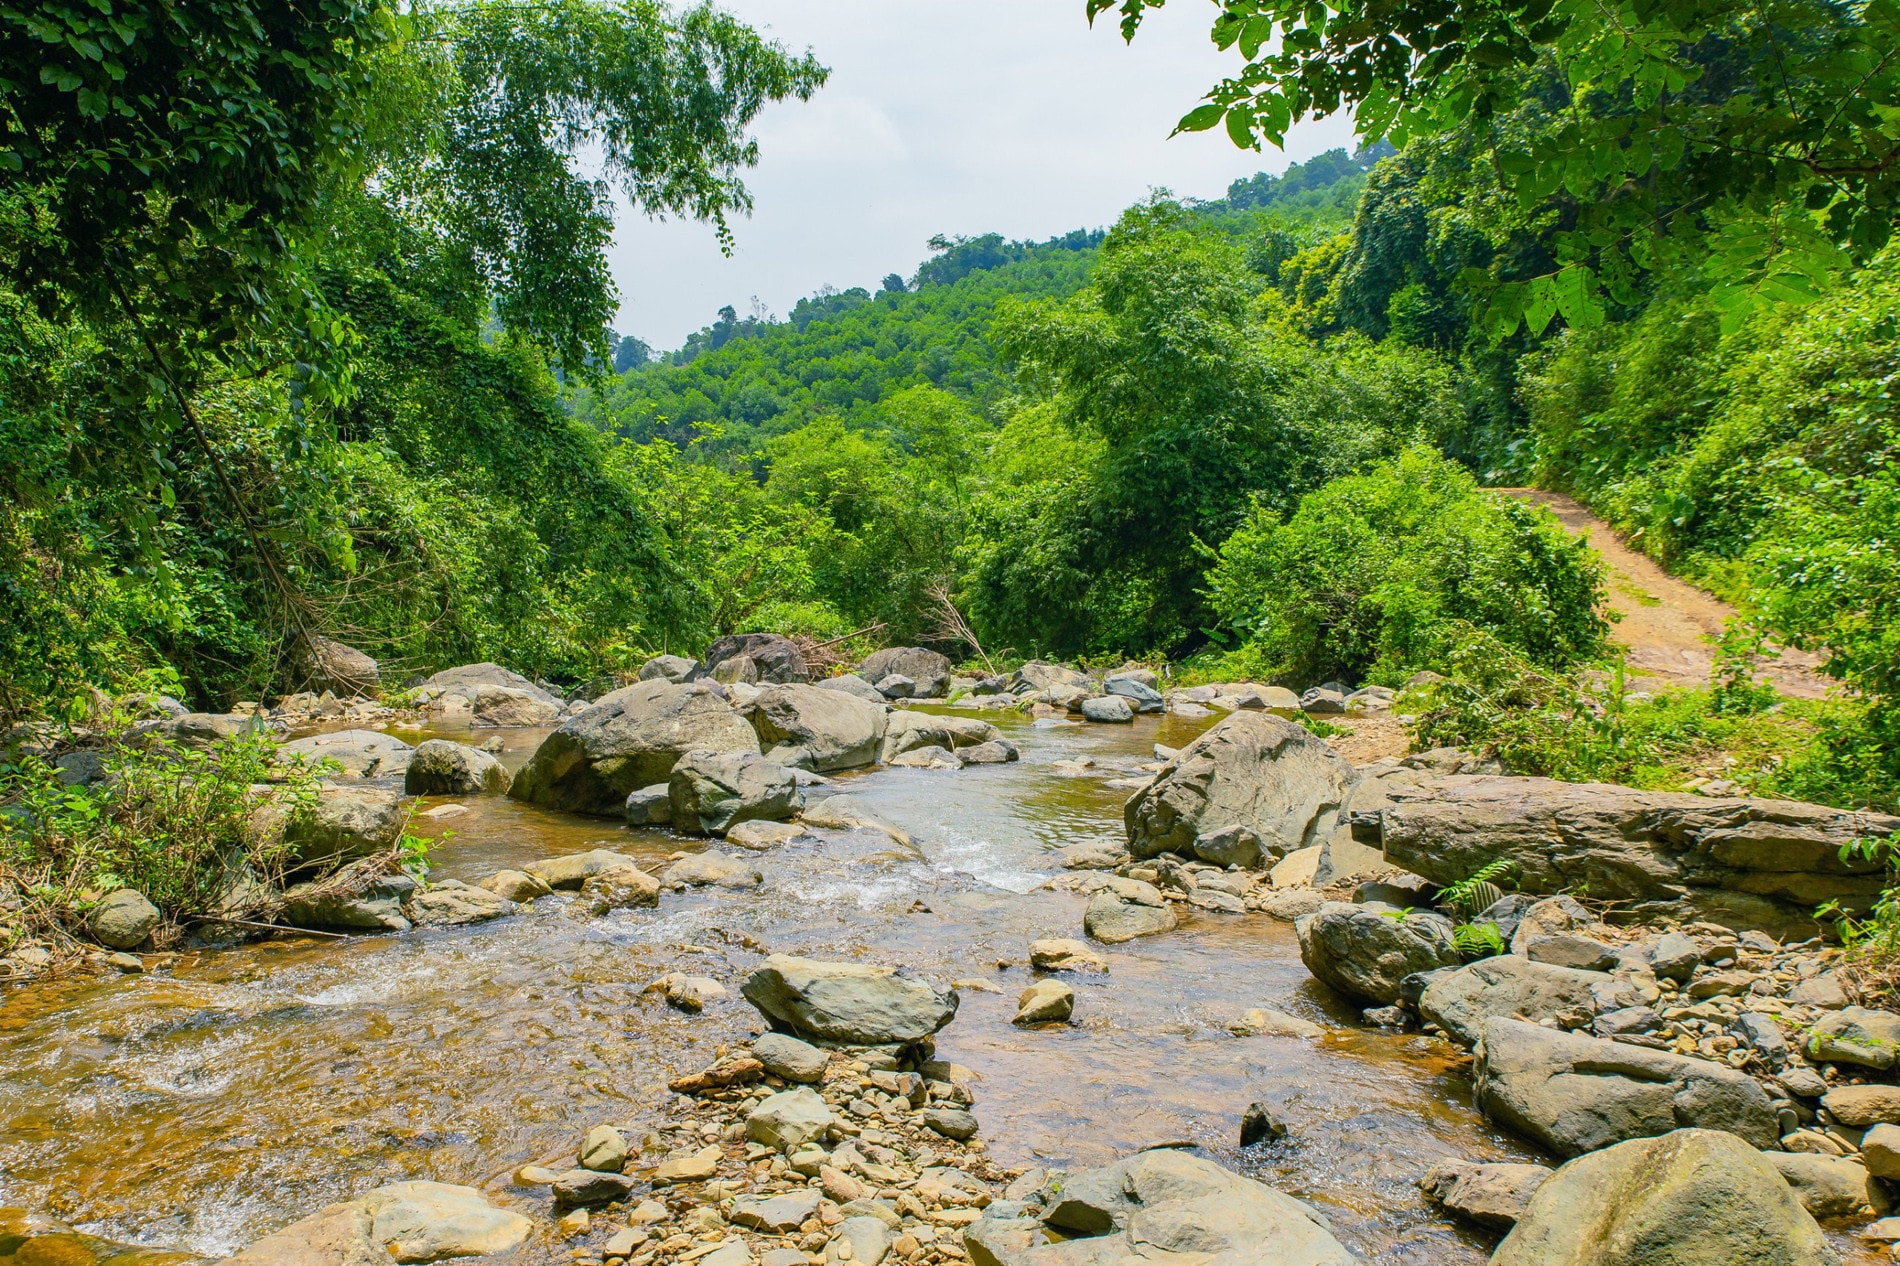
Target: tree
{"x":630,"y":353}
{"x":893,"y":283}
{"x":1763,"y":138}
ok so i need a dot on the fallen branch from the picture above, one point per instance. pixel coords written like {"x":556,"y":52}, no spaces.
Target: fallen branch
{"x":270,"y":927}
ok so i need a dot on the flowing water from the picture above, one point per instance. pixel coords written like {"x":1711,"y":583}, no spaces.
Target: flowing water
{"x":211,"y":1102}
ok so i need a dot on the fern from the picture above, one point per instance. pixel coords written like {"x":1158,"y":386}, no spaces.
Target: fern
{"x":1478,"y":892}
{"x":1478,"y":940}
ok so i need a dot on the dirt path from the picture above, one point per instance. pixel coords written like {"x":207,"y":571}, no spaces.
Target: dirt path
{"x":1668,"y":626}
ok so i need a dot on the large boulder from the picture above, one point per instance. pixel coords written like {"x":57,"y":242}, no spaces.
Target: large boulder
{"x":674,"y":668}
{"x":1744,"y":863}
{"x":509,"y":707}
{"x":1125,"y":909}
{"x":352,"y":753}
{"x":323,"y":663}
{"x":711,"y":791}
{"x":1040,"y":675}
{"x":123,"y":920}
{"x":847,"y":1002}
{"x":368,"y":895}
{"x":1575,"y":1094}
{"x":344,"y":824}
{"x":629,"y":739}
{"x":1253,"y":770}
{"x":1681,"y":1199}
{"x":466,"y":679}
{"x":909,"y":731}
{"x":1160,"y":1208}
{"x":818,"y":728}
{"x":1460,"y":1001}
{"x":571,"y":871}
{"x":855,"y":686}
{"x":1140,"y":694}
{"x":1366,"y":951}
{"x":403,"y":1222}
{"x":775,"y":659}
{"x":929,"y":672}
{"x":442,"y":768}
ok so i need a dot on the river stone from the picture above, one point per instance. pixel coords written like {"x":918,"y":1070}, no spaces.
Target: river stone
{"x":786,"y":1057}
{"x":759,"y":836}
{"x":569,"y":871}
{"x":616,"y":888}
{"x":832,"y":728}
{"x":1362,"y":953}
{"x":507,"y":707}
{"x":453,"y":904}
{"x":428,"y":1221}
{"x":1861,"y":1106}
{"x":346,"y":824}
{"x":1107,"y":709}
{"x":650,"y":806}
{"x":365,"y":895}
{"x":356,"y":753}
{"x":710,"y":869}
{"x":789,"y":1119}
{"x":1045,"y":1002}
{"x":776,"y":1215}
{"x":1064,"y":954}
{"x":201,"y":730}
{"x":516,"y":885}
{"x":123,"y":920}
{"x":848,"y":1002}
{"x":673,"y":668}
{"x":929,"y":672}
{"x":775,"y":659}
{"x":1826,"y":1186}
{"x":1576,"y":1094}
{"x":336,"y":1235}
{"x":466,"y":679}
{"x":442,"y":768}
{"x":712,"y":790}
{"x":1112,"y":917}
{"x":995,"y":752}
{"x":1855,"y":1035}
{"x":323,"y":663}
{"x":1460,"y":1001}
{"x":1266,"y":1022}
{"x":952,"y":1123}
{"x":869,"y":1238}
{"x":926,"y":758}
{"x":1687,"y":1197}
{"x":1041,"y":675}
{"x":604,"y":1150}
{"x":1739,"y":862}
{"x":1493,"y":1195}
{"x":1252,"y":770}
{"x":855,"y":686}
{"x":1141,"y":695}
{"x":1235,"y":845}
{"x":912,"y":731}
{"x":581,"y":1187}
{"x":1167,"y":1206}
{"x":631,"y":738}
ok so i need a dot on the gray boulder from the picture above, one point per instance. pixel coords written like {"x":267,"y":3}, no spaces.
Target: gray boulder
{"x":323,"y":663}
{"x":1254,"y":770}
{"x":123,"y":920}
{"x":346,"y":823}
{"x":355,"y":753}
{"x":1856,"y":1035}
{"x":631,"y":738}
{"x":855,"y":686}
{"x":787,"y":1057}
{"x":1493,"y":1195}
{"x":711,"y":869}
{"x":454,"y":904}
{"x":928,"y":671}
{"x":674,"y":668}
{"x":909,"y":731}
{"x":820,"y":729}
{"x":1575,"y":1094}
{"x":1689,"y":1196}
{"x":994,"y":752}
{"x":1157,"y":1208}
{"x":1141,"y":695}
{"x":848,"y":1002}
{"x":367,"y":895}
{"x":466,"y":679}
{"x":1041,"y":675}
{"x":1360,"y":952}
{"x":509,"y":707}
{"x":650,"y":806}
{"x":1125,"y":909}
{"x":1460,"y":1001}
{"x":1107,"y":709}
{"x":441,"y":768}
{"x":570,"y":871}
{"x":711,"y":791}
{"x":775,"y":659}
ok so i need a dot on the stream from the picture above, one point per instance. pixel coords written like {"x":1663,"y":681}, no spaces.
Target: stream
{"x":219,"y":1098}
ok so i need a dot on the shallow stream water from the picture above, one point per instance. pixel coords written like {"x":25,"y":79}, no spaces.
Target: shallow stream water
{"x":211,"y":1102}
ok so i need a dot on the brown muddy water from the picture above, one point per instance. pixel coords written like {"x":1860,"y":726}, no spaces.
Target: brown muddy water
{"x":207,"y":1104}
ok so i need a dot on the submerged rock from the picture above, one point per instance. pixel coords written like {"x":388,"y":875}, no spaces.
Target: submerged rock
{"x":1493,"y":1195}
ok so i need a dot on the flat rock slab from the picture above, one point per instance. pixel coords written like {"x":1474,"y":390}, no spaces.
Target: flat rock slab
{"x":848,"y":1002}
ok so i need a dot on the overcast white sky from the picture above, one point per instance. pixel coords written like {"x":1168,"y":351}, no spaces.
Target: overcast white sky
{"x":967,"y":116}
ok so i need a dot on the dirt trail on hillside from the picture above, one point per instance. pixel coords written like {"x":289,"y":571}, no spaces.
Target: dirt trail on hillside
{"x":1667,"y":625}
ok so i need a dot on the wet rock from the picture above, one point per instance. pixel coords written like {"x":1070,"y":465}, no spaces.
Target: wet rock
{"x":777,"y":1215}
{"x":650,"y":806}
{"x":711,"y":869}
{"x":441,"y":768}
{"x":678,"y":669}
{"x":843,"y":813}
{"x":760,"y":836}
{"x":1266,"y":1022}
{"x":578,"y":1188}
{"x":453,"y":904}
{"x":343,"y":1234}
{"x":711,"y":791}
{"x":604,"y":1150}
{"x":356,"y":754}
{"x":855,"y":686}
{"x":1127,"y":909}
{"x":926,"y":758}
{"x":1360,"y":952}
{"x":631,"y":738}
{"x":1855,"y":1035}
{"x":1258,"y":1124}
{"x":788,"y":1120}
{"x":1460,"y":1001}
{"x":1576,"y":1094}
{"x":1107,"y":709}
{"x":1688,"y":1196}
{"x":616,"y":888}
{"x":821,"y":729}
{"x":1826,"y":1186}
{"x":366,"y":896}
{"x":325,"y":664}
{"x":123,"y":920}
{"x":848,"y":1002}
{"x":775,"y":659}
{"x":1141,"y":695}
{"x":995,"y":752}
{"x":788,"y":1058}
{"x":929,"y":672}
{"x":570,"y":871}
{"x":1252,"y":770}
{"x":952,"y":1123}
{"x":1045,"y":1002}
{"x":1493,"y":1195}
{"x":1064,"y":954}
{"x":687,"y":993}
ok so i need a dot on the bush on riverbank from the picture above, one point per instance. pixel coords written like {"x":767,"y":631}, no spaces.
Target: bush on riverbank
{"x":176,"y":824}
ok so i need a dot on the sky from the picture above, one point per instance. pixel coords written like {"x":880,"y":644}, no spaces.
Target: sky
{"x":967,"y":117}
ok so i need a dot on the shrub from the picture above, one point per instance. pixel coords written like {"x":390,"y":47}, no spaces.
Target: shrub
{"x":1363,"y":580}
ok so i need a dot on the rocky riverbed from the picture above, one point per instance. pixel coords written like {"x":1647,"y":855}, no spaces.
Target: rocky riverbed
{"x":221,"y":1096}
